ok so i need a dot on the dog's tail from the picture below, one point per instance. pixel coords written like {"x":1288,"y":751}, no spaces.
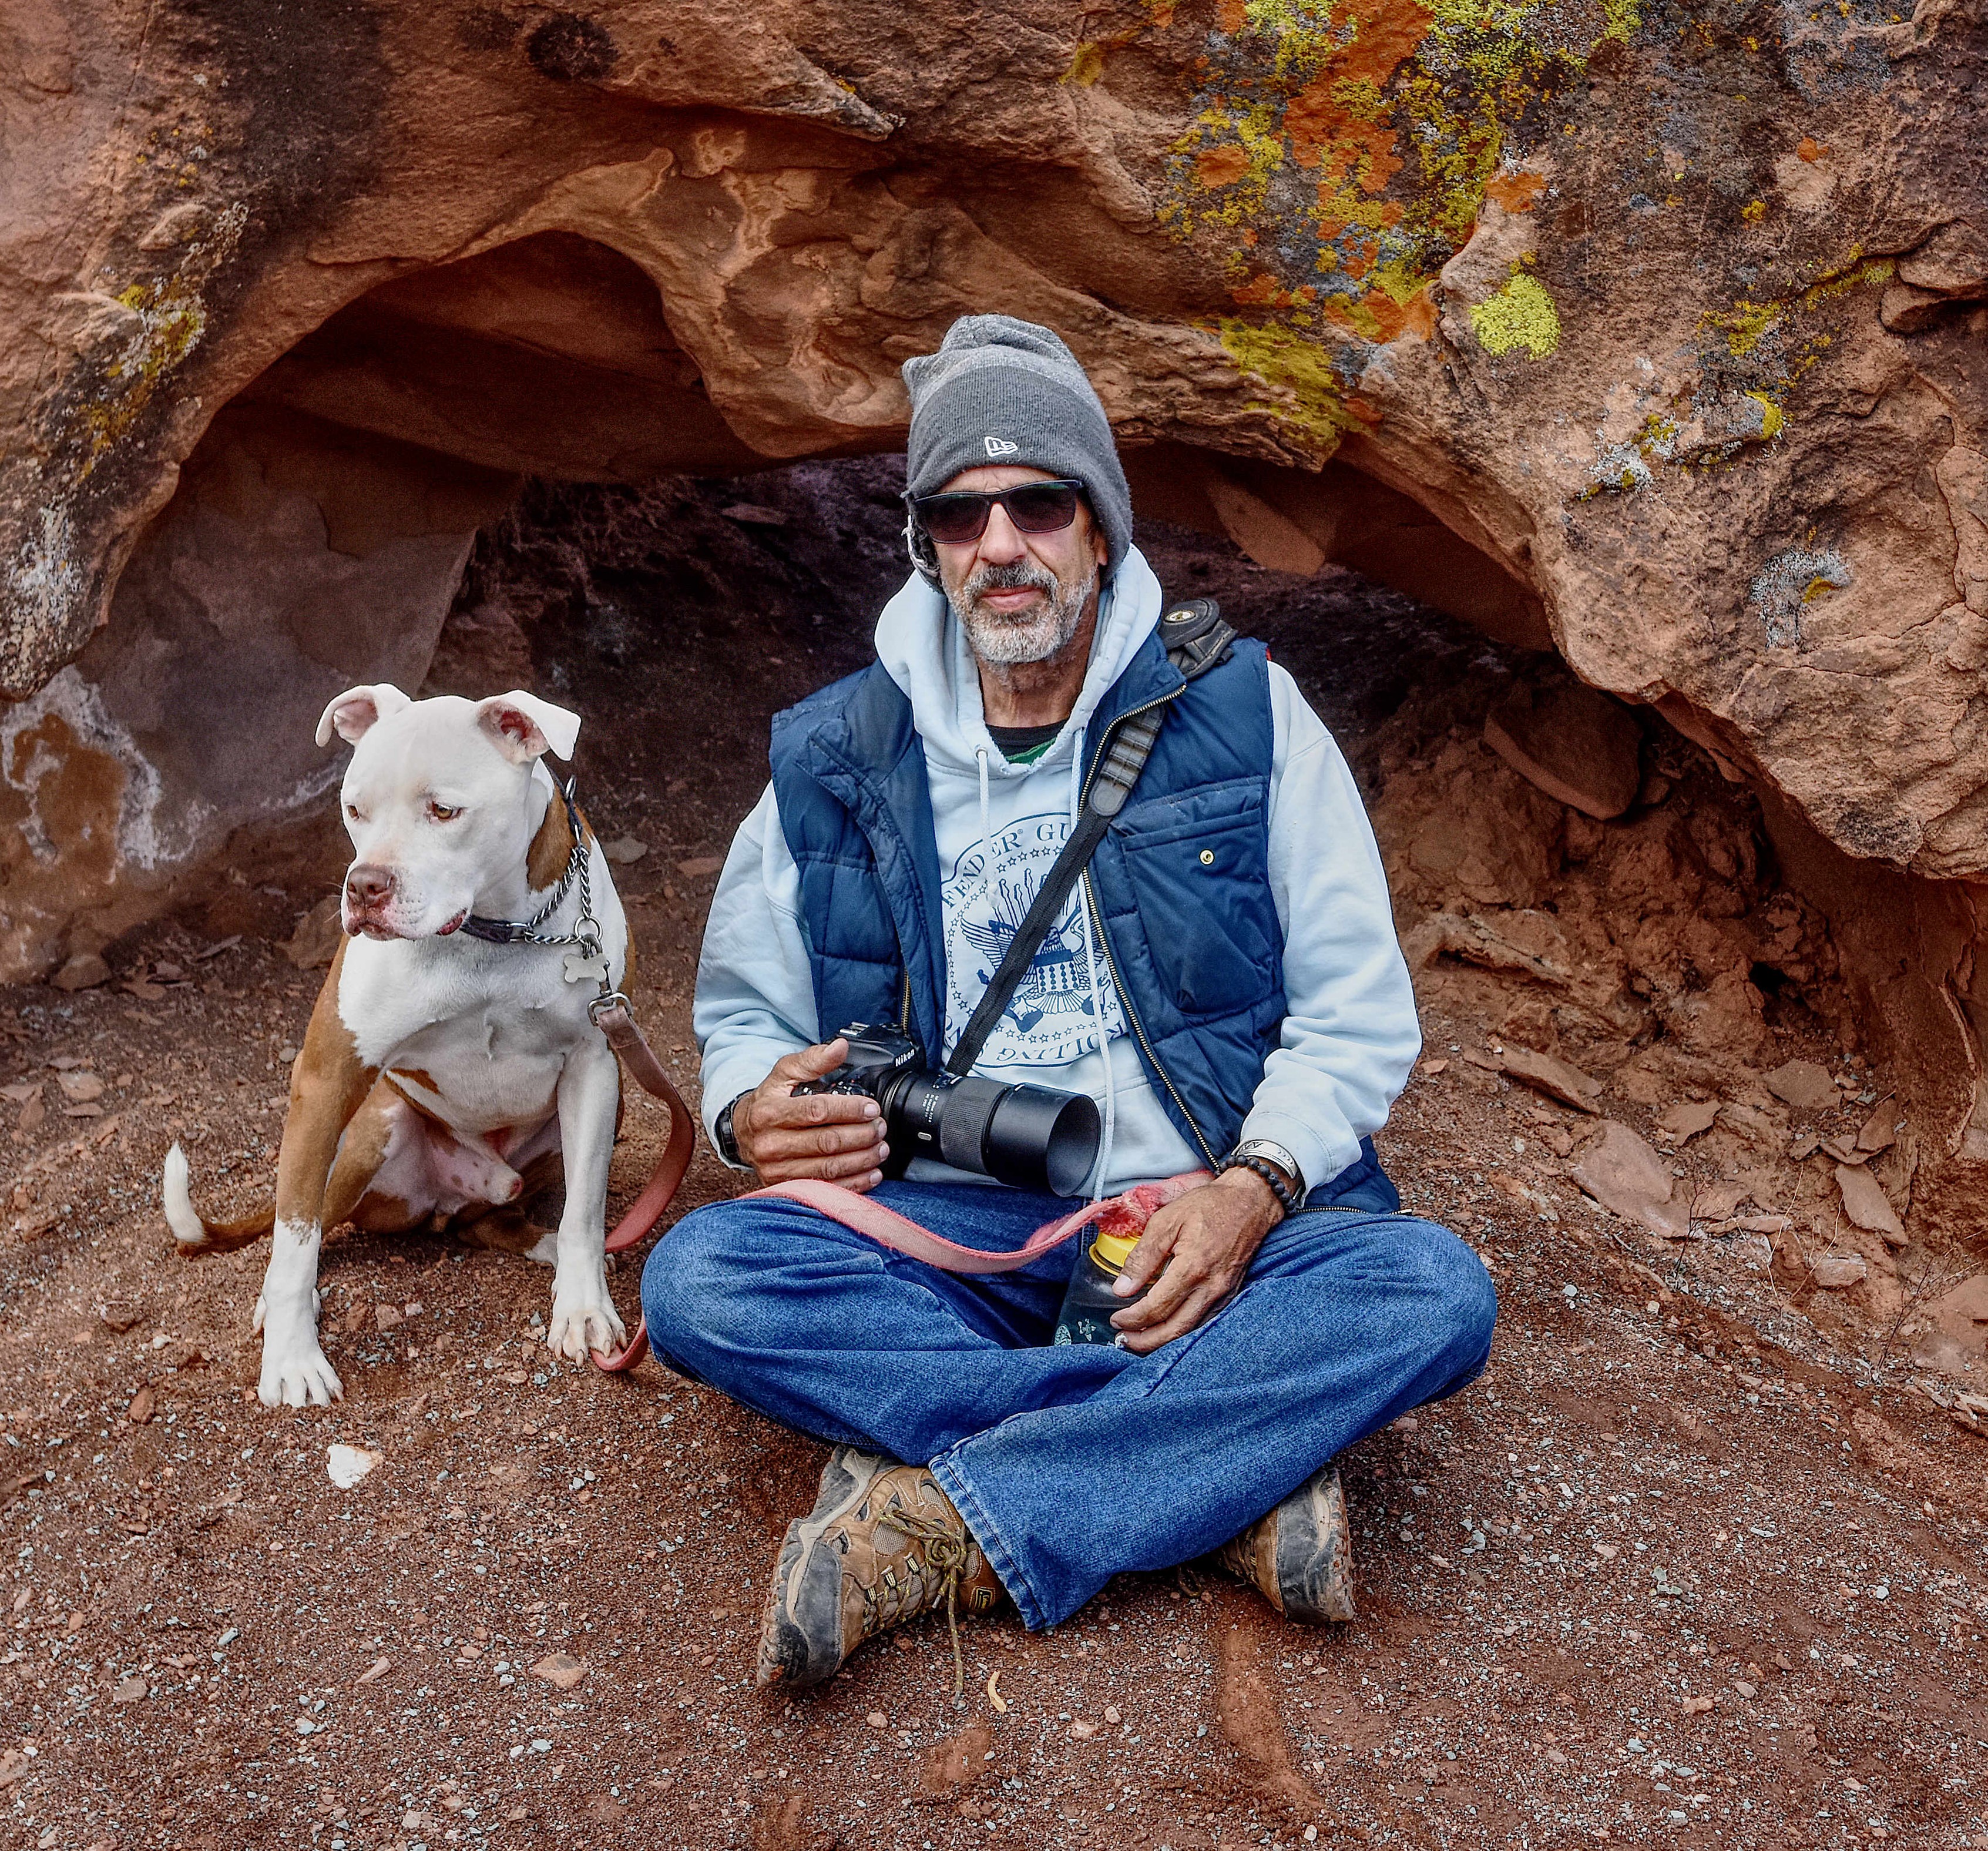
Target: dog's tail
{"x":194,"y":1237}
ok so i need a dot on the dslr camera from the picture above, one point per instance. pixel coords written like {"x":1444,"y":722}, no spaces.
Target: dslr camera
{"x":1030,"y":1137}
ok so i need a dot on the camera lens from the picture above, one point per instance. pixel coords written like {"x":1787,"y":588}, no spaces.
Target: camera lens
{"x":1028,"y":1137}
{"x":1039,"y":1138}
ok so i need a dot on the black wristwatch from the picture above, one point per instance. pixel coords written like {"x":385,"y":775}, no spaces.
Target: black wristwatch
{"x":727,"y":1139}
{"x":1276,"y":1165}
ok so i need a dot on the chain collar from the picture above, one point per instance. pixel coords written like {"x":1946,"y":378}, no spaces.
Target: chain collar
{"x":586,"y":933}
{"x":584,"y":938}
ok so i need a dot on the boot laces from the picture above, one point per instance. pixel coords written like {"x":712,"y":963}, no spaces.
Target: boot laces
{"x":947,"y":1549}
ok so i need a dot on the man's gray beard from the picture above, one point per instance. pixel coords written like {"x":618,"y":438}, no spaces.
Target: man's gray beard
{"x":1011,"y":640}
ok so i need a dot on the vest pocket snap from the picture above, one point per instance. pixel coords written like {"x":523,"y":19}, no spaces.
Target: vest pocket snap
{"x":1208,"y":858}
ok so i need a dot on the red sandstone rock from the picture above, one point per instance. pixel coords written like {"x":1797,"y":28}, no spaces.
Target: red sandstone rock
{"x":1879,"y":1131}
{"x":84,"y":971}
{"x":1557,"y":1079}
{"x":1837,"y":1272}
{"x":1961,"y":1313}
{"x":1687,"y":1118}
{"x":1866,"y":1204}
{"x":1804,"y":1085}
{"x":1622,"y":1172}
{"x":1575,"y":744}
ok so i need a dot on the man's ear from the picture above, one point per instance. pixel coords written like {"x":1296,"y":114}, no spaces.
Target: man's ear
{"x":358,"y":710}
{"x":522,"y":727}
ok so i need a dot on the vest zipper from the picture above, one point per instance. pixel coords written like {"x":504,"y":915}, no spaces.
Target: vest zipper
{"x":1111,"y":959}
{"x":1138,"y":1028}
{"x":1097,"y":764}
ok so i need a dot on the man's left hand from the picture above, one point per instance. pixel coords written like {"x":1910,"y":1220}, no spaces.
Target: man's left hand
{"x":1198,"y":1248}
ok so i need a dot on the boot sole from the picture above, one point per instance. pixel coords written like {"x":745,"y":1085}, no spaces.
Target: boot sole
{"x":800,"y":1629}
{"x":1315,"y":1551}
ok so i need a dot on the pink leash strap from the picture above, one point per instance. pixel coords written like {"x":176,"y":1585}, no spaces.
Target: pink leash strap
{"x":888,"y":1228}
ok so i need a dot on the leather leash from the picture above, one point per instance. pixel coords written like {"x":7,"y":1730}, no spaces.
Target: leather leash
{"x":624,"y":1035}
{"x":888,"y":1228}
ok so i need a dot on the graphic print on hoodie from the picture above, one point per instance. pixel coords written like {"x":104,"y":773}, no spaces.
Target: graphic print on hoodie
{"x":1050,"y":1019}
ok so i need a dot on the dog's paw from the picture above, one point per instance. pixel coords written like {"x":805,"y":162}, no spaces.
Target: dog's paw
{"x":298,"y":1375}
{"x":582,"y":1324}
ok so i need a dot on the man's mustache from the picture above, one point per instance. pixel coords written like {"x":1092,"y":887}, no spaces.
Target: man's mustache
{"x":1019,"y":577}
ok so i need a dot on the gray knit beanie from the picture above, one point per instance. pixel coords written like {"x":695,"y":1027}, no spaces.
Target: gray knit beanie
{"x":1000,"y":390}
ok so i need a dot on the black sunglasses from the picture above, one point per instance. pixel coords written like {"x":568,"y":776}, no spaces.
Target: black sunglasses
{"x":1035,"y":507}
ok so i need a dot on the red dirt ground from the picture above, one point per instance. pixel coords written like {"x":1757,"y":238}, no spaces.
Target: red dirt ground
{"x":1690,"y":1565}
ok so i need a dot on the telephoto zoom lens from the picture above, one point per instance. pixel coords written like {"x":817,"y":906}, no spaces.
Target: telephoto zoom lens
{"x":1029,"y":1137}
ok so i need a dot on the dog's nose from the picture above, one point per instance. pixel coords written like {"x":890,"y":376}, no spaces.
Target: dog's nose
{"x":367,"y":886}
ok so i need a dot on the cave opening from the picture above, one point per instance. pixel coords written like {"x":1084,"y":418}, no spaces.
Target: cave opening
{"x":357,"y":495}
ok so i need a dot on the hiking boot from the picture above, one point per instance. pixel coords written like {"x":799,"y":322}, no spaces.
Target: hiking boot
{"x":1300,"y":1556}
{"x":882,"y":1543}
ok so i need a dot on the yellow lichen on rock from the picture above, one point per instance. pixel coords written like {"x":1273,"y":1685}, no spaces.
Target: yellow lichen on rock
{"x":1772,"y":416}
{"x":1309,"y":399}
{"x":1520,"y":315}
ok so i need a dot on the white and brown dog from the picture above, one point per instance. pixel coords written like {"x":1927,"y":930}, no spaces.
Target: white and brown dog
{"x":443,"y":1074}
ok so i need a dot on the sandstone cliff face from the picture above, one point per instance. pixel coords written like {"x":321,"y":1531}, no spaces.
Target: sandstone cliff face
{"x":1649,"y":333}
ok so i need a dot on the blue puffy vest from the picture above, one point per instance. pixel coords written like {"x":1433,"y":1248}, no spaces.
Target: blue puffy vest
{"x":1181,"y":882}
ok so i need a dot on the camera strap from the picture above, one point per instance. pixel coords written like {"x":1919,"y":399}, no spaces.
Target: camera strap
{"x":1196,"y":640}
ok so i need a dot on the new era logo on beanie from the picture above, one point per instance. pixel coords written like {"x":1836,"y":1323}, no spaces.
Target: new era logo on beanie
{"x":1000,"y":389}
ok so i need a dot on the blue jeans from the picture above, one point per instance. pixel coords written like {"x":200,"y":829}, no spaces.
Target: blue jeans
{"x":1069,"y":1463}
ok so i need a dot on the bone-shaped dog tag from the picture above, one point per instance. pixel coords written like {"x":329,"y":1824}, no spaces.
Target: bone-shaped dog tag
{"x":579,"y":968}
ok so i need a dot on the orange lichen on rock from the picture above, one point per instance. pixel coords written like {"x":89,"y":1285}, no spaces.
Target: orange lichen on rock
{"x":1334,"y":118}
{"x":1516,"y":192}
{"x":1415,"y":316}
{"x":1262,"y":291}
{"x":1809,"y":149}
{"x":1363,"y":152}
{"x":1222,"y":165}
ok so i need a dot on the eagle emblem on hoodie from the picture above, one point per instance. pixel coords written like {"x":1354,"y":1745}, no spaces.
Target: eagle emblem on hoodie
{"x":1052,"y":1018}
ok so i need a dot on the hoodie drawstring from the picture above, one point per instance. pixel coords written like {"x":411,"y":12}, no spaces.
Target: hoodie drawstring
{"x":986,"y":828}
{"x":1090,"y":962}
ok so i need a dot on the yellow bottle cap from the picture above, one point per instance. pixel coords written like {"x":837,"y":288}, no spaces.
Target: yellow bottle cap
{"x":1111,"y":1251}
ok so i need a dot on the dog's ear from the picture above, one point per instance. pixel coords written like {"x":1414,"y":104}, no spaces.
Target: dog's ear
{"x":358,"y":710}
{"x":522,"y":726}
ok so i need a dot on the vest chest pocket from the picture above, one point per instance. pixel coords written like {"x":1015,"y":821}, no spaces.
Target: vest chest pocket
{"x":1198,"y":867}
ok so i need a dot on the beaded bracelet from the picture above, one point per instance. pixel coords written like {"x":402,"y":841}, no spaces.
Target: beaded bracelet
{"x":1280,"y":1187}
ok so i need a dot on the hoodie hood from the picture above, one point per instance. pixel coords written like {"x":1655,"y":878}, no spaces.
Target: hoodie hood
{"x":923,"y":648}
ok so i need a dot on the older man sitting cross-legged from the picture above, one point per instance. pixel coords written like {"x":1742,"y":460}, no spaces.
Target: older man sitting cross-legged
{"x":1223,"y":980}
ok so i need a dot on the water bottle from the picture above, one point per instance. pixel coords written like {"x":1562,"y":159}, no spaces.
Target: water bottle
{"x":1087,"y":1306}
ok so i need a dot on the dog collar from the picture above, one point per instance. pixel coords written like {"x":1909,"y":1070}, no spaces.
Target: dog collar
{"x":587,"y":931}
{"x":587,"y":958}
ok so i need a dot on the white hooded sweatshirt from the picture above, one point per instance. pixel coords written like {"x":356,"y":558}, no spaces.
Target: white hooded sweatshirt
{"x":1351,"y":1036}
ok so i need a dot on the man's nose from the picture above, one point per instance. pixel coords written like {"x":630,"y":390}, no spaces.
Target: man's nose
{"x":367,"y":886}
{"x":1002,"y":543}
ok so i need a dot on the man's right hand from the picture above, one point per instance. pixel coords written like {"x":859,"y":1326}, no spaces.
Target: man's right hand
{"x":835,"y":1137}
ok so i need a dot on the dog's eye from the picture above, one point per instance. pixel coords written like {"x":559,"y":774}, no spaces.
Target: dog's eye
{"x":352,"y":810}
{"x":443,"y":813}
